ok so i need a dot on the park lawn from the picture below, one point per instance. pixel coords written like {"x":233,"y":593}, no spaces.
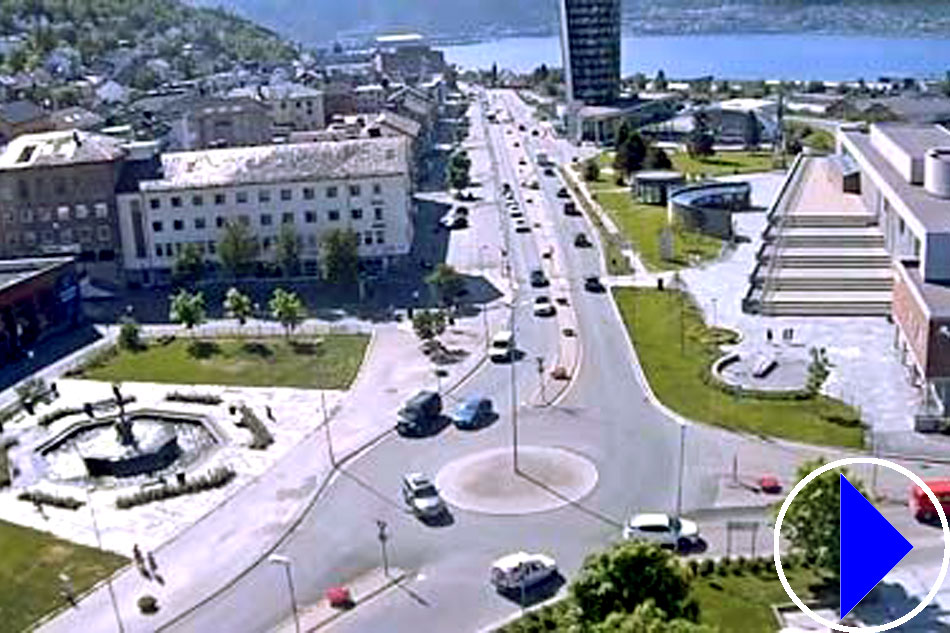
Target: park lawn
{"x":722,"y":163}
{"x":642,"y":225}
{"x":740,"y":604}
{"x":29,"y":575}
{"x":331,"y":363}
{"x":652,"y":318}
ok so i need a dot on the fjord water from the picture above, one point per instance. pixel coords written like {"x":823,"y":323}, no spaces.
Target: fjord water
{"x":735,"y":56}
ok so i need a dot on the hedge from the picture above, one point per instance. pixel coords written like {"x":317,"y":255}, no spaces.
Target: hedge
{"x":46,"y":499}
{"x":194,"y":398}
{"x":58,"y":414}
{"x":216,"y":478}
{"x":5,"y":478}
{"x":250,"y":421}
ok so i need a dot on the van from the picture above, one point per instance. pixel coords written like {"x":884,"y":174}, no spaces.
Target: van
{"x":502,"y":346}
{"x":420,"y":414}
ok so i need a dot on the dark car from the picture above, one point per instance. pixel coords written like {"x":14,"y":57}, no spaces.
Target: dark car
{"x":562,"y":193}
{"x":472,"y":413}
{"x":592,"y":284}
{"x":570,"y":208}
{"x":538,"y":280}
{"x":549,"y":172}
{"x":581,"y":241}
{"x":420,"y":415}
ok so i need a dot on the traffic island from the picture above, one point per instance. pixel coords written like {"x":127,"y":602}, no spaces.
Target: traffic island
{"x":548,"y":478}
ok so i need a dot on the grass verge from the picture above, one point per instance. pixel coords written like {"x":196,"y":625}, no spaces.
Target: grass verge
{"x":722,"y":163}
{"x":328,"y":362}
{"x":32,"y":562}
{"x":653,"y":319}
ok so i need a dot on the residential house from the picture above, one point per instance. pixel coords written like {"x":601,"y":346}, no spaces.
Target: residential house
{"x":22,"y":117}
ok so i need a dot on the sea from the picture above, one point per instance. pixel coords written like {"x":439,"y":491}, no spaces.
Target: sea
{"x":749,"y":56}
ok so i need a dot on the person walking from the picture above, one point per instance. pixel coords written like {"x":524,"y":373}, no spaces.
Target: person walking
{"x":152,"y":565}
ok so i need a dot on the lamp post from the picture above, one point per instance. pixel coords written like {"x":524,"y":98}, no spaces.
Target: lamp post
{"x":679,"y":478}
{"x":540,"y":360}
{"x":326,"y":428}
{"x":514,"y":391}
{"x":383,"y":537}
{"x":283,"y":561}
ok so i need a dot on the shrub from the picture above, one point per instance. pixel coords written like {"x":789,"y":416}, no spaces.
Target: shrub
{"x":722,"y":566}
{"x":130,"y":335}
{"x":706,"y":567}
{"x":5,"y":477}
{"x":755,"y":565}
{"x":30,"y":392}
{"x":216,"y":478}
{"x":148,"y":604}
{"x":739,"y":565}
{"x":166,"y":339}
{"x":46,"y":499}
{"x":250,"y":421}
{"x":693,"y":567}
{"x":194,"y":398}
{"x":58,"y":414}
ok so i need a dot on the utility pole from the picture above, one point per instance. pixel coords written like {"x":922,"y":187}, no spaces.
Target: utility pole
{"x":283,"y":561}
{"x":383,"y":537}
{"x":540,"y":360}
{"x":514,"y":392}
{"x":679,"y":483}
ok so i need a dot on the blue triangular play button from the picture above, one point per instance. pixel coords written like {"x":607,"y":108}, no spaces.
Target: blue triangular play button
{"x":870,"y":546}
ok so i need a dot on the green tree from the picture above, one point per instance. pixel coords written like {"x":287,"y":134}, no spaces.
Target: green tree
{"x":189,"y":264}
{"x":627,"y":575}
{"x":188,"y":309}
{"x":656,"y":158}
{"x":591,"y":170}
{"x":700,"y":140}
{"x":428,"y":324}
{"x":752,"y":133}
{"x":237,"y":305}
{"x":660,"y":83}
{"x":457,"y":172}
{"x":446,"y":282}
{"x":648,"y":618}
{"x":630,"y":154}
{"x":288,"y":250}
{"x":287,"y":309}
{"x":340,"y":256}
{"x":811,"y":524}
{"x":130,"y":335}
{"x":238,"y":249}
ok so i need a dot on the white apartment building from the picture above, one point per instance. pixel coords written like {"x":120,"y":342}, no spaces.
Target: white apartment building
{"x":291,"y":105}
{"x":189,"y":197}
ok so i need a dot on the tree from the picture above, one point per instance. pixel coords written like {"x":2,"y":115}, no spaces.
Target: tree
{"x":130,"y":335}
{"x":812,"y":522}
{"x":446,"y":282}
{"x":340,"y":255}
{"x":648,"y":618}
{"x":238,"y":249}
{"x":287,"y":308}
{"x":639,"y":81}
{"x":457,"y":172}
{"x":591,"y":170}
{"x":656,"y":158}
{"x":752,"y":132}
{"x":630,"y":154}
{"x":237,"y":305}
{"x":288,"y":250}
{"x":627,"y":575}
{"x":189,"y":263}
{"x":700,"y":140}
{"x":428,"y":324}
{"x":187,"y":309}
{"x":660,"y":83}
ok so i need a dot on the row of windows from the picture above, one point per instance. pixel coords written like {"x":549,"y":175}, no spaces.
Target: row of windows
{"x":210,"y":247}
{"x":264,"y":195}
{"x":265,"y":219}
{"x":61,"y":213}
{"x":63,"y":236}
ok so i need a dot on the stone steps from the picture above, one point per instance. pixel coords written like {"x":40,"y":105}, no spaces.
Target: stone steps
{"x":861,"y":237}
{"x":820,"y":220}
{"x":828,"y":279}
{"x":827,"y":303}
{"x":800,"y":257}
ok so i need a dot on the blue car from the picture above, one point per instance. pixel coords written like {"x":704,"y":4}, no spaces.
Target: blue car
{"x":472,"y":413}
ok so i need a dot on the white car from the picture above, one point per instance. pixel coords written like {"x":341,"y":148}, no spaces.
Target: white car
{"x":543,"y":307}
{"x":663,"y":529}
{"x":521,"y":570}
{"x":421,"y":496}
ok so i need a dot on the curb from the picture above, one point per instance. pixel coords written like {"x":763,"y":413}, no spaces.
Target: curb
{"x":393,"y":582}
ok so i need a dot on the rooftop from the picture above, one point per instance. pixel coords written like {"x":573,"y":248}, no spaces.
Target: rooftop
{"x":936,"y":295}
{"x":914,"y":139}
{"x":20,"y":111}
{"x":282,"y":163}
{"x":16,"y":271}
{"x":63,"y":147}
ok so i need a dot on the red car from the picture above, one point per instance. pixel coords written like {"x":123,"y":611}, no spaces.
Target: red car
{"x":921,"y":504}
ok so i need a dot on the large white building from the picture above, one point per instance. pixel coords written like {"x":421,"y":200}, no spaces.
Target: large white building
{"x":189,"y":197}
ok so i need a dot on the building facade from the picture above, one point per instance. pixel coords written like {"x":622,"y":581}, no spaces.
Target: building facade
{"x":361,"y":185}
{"x":590,"y":49}
{"x":57,"y":195}
{"x":292,"y":106}
{"x":223,"y":123}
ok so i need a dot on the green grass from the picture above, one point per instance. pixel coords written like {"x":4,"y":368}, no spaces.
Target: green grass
{"x":722,"y":163}
{"x":740,"y":604}
{"x":653,"y":320}
{"x":32,"y":562}
{"x":330,"y":363}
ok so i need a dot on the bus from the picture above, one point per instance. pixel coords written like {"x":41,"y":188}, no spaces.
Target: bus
{"x":921,"y":504}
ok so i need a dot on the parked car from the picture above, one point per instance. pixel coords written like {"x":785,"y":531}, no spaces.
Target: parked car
{"x":502,"y":347}
{"x":538,"y":278}
{"x":452,"y":220}
{"x":581,"y":241}
{"x":420,"y":415}
{"x":570,"y":208}
{"x":521,"y":127}
{"x":593,"y":284}
{"x":663,"y":529}
{"x":472,"y":413}
{"x":534,"y":185}
{"x":521,"y":226}
{"x":549,"y":172}
{"x":421,"y":495}
{"x":521,"y":571}
{"x":543,"y":307}
{"x":522,"y":161}
{"x":562,"y":193}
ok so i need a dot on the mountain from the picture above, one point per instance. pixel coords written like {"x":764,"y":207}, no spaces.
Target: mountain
{"x":319,"y":22}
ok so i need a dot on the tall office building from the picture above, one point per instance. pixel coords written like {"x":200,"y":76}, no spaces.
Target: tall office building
{"x":590,"y":48}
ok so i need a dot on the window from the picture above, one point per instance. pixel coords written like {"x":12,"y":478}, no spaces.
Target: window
{"x":200,"y":223}
{"x":309,"y":217}
{"x":266,"y":243}
{"x":266,"y":219}
{"x":212,"y":247}
{"x":354,"y":190}
{"x":12,"y":239}
{"x":159,"y":251}
{"x":220,"y":198}
{"x":29,"y":238}
{"x":26,"y":215}
{"x":219,"y":222}
{"x":263,"y":195}
{"x":81,"y":212}
{"x":104,"y":233}
{"x":380,"y":237}
{"x":245,"y":220}
{"x":60,"y":185}
{"x":135,"y":206}
{"x":331,"y":192}
{"x":241,"y":197}
{"x":66,"y":236}
{"x":356,"y":214}
{"x":155,"y":203}
{"x":286,"y":194}
{"x":178,"y":225}
{"x":176,"y":201}
{"x":85,"y":234}
{"x":368,"y":239}
{"x":197,"y":201}
{"x":308,"y":193}
{"x":157,"y":227}
{"x":45,"y":215}
{"x":377,"y":189}
{"x":334,"y":216}
{"x":102,"y":210}
{"x":378,"y":214}
{"x":178,"y":248}
{"x":47,"y":237}
{"x":287,"y":218}
{"x":8,"y":216}
{"x":312,"y":240}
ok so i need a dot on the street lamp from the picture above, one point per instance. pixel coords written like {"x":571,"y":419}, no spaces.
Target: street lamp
{"x":514,"y":390}
{"x":383,"y":537}
{"x":679,"y":479}
{"x":540,"y":360}
{"x":326,"y":427}
{"x":283,"y":561}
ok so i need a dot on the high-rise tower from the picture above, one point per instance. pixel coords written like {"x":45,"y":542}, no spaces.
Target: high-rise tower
{"x":590,"y":48}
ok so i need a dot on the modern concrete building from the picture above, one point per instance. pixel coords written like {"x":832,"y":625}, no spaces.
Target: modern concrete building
{"x":190,"y":197}
{"x":590,"y":49}
{"x":216,"y":122}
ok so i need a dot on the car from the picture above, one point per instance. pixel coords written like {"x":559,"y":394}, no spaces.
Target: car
{"x":662,"y":529}
{"x":421,"y":495}
{"x":517,"y":144}
{"x":452,"y":220}
{"x":562,"y":193}
{"x":522,"y":161}
{"x":543,"y":307}
{"x":581,"y":241}
{"x":521,"y":571}
{"x":534,"y":185}
{"x":521,"y":127}
{"x":570,"y":208}
{"x":506,"y":186}
{"x":549,"y":172}
{"x":529,"y":200}
{"x":420,"y":415}
{"x":593,"y":284}
{"x":502,"y":347}
{"x":534,"y":133}
{"x":461,"y":211}
{"x":521,"y":226}
{"x":472,"y":413}
{"x":538,"y":280}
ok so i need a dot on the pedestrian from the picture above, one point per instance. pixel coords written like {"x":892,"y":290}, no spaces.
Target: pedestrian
{"x":137,"y":554}
{"x":270,"y":414}
{"x":152,"y":565}
{"x":768,"y":335}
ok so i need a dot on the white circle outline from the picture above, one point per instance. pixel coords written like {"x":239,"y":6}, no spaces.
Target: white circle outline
{"x":838,"y":464}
